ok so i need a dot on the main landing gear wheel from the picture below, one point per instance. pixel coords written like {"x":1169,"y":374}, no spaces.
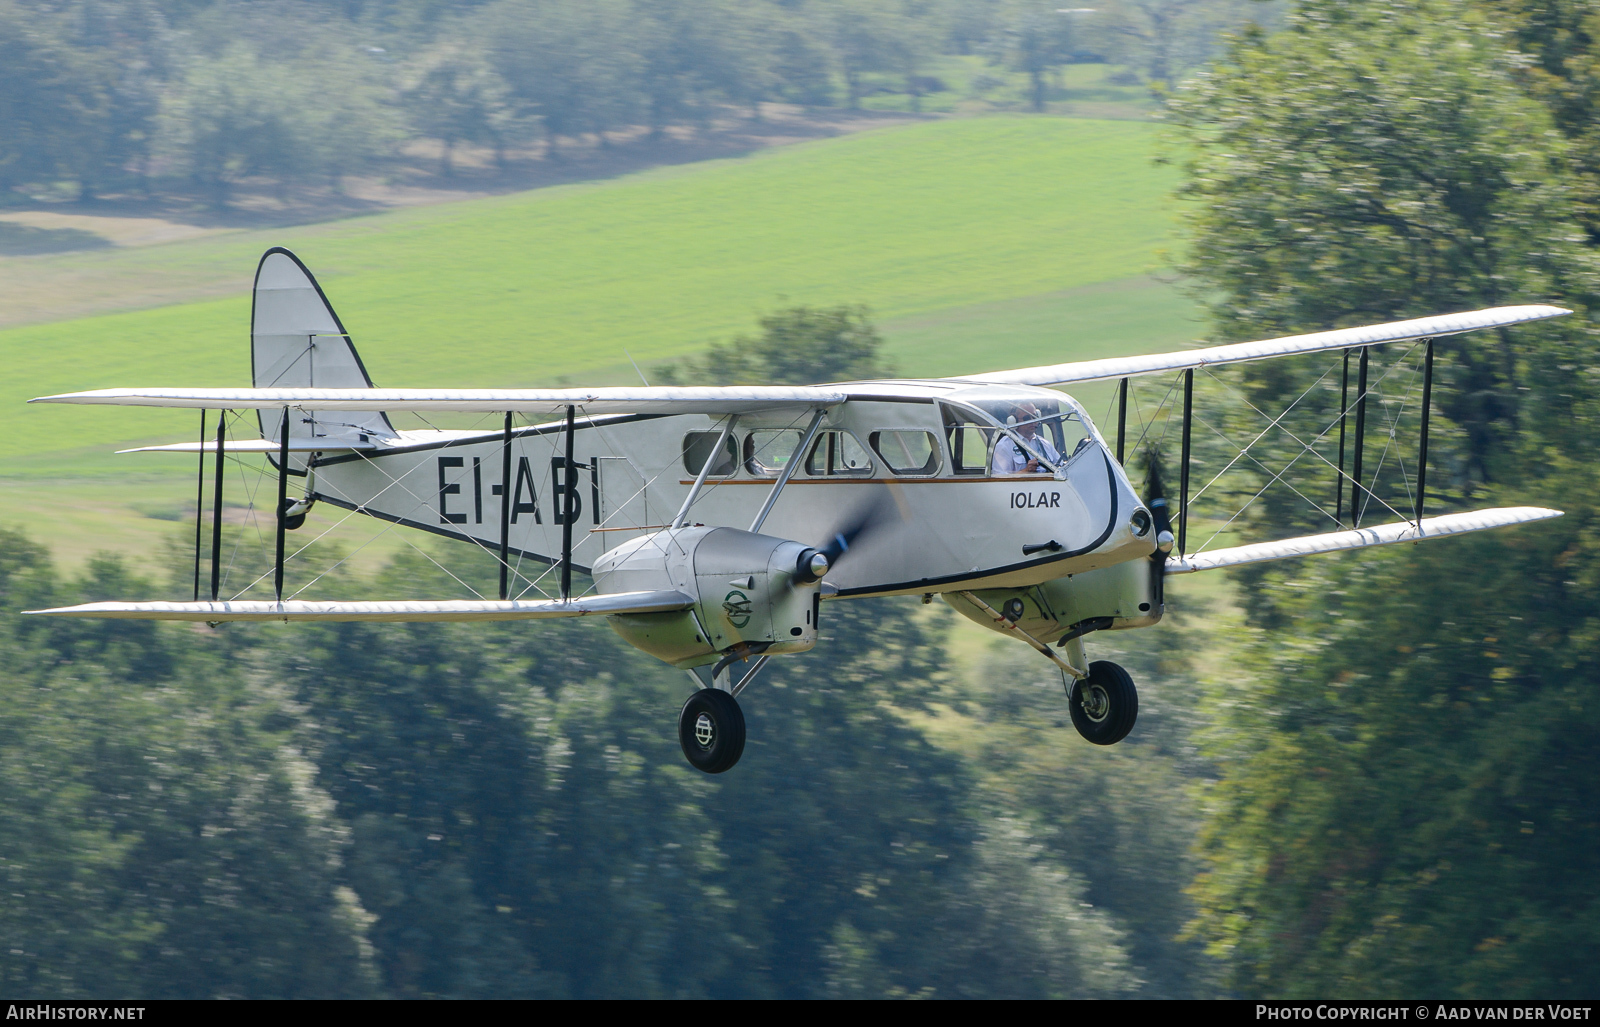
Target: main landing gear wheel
{"x":1105,"y":704}
{"x":711,"y":730}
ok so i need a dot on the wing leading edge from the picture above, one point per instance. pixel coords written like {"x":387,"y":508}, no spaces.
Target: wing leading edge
{"x":736,"y":399}
{"x":1343,"y":338}
{"x":382,"y":612}
{"x":1360,"y":538}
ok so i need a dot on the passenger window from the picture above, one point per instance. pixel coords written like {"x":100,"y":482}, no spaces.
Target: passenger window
{"x":969,"y":443}
{"x":907,"y":452}
{"x":766,"y":453}
{"x":838,"y":452}
{"x":697,"y":447}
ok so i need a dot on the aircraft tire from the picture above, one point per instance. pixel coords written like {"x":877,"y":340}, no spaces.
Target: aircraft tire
{"x":1105,"y":704}
{"x":296,"y":521}
{"x":711,"y":730}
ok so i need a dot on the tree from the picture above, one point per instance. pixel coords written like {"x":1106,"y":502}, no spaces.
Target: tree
{"x":1563,"y":37}
{"x":453,"y":95}
{"x":319,"y":115}
{"x":864,"y":36}
{"x":1164,"y":39}
{"x":1395,"y":185}
{"x":1380,"y":826}
{"x":227,"y":117}
{"x":353,"y":126}
{"x":795,"y":64}
{"x":164,"y":836}
{"x":1035,"y":38}
{"x":690,"y":54}
{"x":54,"y":104}
{"x":570,"y":65}
{"x":797,"y":346}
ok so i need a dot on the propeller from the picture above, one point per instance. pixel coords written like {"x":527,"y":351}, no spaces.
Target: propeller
{"x":850,"y":533}
{"x":1156,"y":500}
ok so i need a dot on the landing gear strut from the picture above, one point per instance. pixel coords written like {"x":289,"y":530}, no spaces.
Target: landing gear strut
{"x":711,"y":730}
{"x":1105,"y":704}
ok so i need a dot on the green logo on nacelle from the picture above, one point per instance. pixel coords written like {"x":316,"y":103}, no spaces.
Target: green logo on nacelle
{"x":737,"y":606}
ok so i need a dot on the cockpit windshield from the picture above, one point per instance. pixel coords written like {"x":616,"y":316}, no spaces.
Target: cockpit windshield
{"x":1045,"y":430}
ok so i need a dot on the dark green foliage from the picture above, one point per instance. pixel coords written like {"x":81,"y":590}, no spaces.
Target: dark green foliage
{"x":491,"y":811}
{"x":53,"y":102}
{"x":1564,"y":75}
{"x":1411,"y":803}
{"x":1406,"y":738}
{"x":116,"y":98}
{"x":163,"y":836}
{"x":797,"y":346}
{"x":1035,"y":39}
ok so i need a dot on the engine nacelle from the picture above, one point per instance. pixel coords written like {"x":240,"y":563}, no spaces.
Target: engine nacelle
{"x":753,"y":593}
{"x":1124,"y":595}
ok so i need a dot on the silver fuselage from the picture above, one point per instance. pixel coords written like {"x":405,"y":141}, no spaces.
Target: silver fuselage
{"x":942,"y":527}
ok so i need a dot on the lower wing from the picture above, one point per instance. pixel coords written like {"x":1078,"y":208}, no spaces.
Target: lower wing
{"x":400,"y":610}
{"x":1359,"y":538}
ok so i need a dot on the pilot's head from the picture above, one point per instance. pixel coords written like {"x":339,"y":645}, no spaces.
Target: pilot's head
{"x":1027,"y":420}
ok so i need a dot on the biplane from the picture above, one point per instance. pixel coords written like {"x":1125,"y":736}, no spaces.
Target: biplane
{"x":715,"y":525}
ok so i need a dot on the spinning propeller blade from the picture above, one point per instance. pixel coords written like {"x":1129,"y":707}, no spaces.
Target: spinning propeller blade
{"x":1155,"y":493}
{"x":847,"y":535}
{"x":858,"y":527}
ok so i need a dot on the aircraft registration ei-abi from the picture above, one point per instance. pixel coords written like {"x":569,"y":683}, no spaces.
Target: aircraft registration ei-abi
{"x":715,"y":522}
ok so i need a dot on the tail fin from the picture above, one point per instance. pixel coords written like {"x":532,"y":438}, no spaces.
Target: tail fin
{"x":297,"y":341}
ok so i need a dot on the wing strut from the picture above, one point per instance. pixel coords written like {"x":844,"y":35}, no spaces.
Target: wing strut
{"x":1427,"y":403}
{"x":788,"y":471}
{"x":199,"y":505}
{"x":568,"y":495}
{"x":216,"y":509}
{"x":1183,"y":471}
{"x":505,"y":509}
{"x":1358,"y":495}
{"x":705,"y":469}
{"x":283,"y":504}
{"x":1122,"y":417}
{"x":1344,"y":416}
{"x":1000,"y":619}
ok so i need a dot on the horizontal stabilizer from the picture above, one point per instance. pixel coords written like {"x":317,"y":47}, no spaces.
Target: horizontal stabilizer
{"x":380,"y":612}
{"x":236,"y":446}
{"x":1317,"y":342}
{"x":733,"y":399}
{"x":1381,"y":535}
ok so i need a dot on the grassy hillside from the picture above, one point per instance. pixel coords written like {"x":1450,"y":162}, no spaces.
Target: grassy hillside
{"x":978,"y":243}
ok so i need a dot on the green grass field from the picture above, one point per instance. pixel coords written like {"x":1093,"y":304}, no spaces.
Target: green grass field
{"x":979,"y":243}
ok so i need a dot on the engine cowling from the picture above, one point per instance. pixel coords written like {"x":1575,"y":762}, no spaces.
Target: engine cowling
{"x":753,"y":593}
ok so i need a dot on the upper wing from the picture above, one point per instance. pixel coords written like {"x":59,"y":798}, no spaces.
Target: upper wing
{"x":1371,"y":335}
{"x":236,"y":446}
{"x":1381,"y":535}
{"x":404,"y":610}
{"x":736,"y":399}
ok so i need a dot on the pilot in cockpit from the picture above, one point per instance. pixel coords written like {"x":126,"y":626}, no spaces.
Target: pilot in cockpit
{"x":1010,"y":459}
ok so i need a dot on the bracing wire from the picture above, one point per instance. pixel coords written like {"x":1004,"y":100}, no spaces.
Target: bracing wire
{"x":1278,"y":477}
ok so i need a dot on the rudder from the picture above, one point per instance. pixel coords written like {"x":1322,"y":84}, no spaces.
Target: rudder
{"x":297,"y":341}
